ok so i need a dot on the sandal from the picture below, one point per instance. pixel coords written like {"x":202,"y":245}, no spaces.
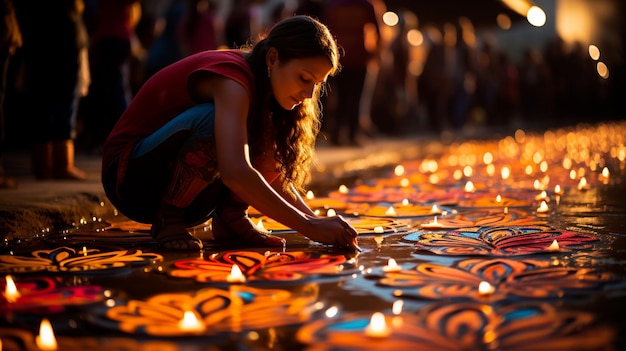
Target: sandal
{"x":243,"y":233}
{"x":171,"y":233}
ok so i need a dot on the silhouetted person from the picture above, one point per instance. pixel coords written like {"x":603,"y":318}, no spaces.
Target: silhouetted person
{"x":55,"y":59}
{"x":350,"y":20}
{"x":11,"y":41}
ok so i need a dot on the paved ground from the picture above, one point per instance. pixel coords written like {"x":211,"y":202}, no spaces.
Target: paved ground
{"x":37,"y":206}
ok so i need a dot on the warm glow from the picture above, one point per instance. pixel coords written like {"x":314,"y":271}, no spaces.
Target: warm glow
{"x":469,"y":187}
{"x":603,"y":70}
{"x":415,"y":37}
{"x":46,"y":340}
{"x":543,"y":208}
{"x":331,"y":213}
{"x":487,"y":158}
{"x":536,"y":16}
{"x":260,"y":225}
{"x":404,"y":182}
{"x":390,"y":18}
{"x":235,"y":275}
{"x":498,"y":198}
{"x":378,"y":326}
{"x":84,"y":250}
{"x":399,"y":170}
{"x":405,"y":202}
{"x":594,"y":52}
{"x":484,"y":288}
{"x":468,"y":171}
{"x":558,"y":190}
{"x":191,"y":322}
{"x":505,"y":173}
{"x":391,"y":212}
{"x":378,"y":229}
{"x":343,"y":189}
{"x":10,"y":291}
{"x":391,"y":266}
{"x":605,"y":172}
{"x":503,"y":21}
{"x":491,"y":169}
{"x":397,"y":307}
{"x":554,"y":247}
{"x":582,"y":184}
{"x":331,"y":311}
{"x":435,"y":209}
{"x":433,"y":224}
{"x":310,"y":195}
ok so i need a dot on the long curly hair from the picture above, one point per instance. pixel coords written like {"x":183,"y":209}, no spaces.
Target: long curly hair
{"x":289,"y":134}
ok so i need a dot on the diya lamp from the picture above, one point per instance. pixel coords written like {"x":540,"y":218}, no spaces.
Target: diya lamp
{"x":554,"y":247}
{"x":433,"y":224}
{"x":543,"y":208}
{"x":191,"y":322}
{"x":46,"y":340}
{"x":485,"y":289}
{"x":392,"y":266}
{"x":377,"y":328}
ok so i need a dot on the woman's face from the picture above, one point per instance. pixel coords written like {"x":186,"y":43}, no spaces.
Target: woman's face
{"x":294,"y":80}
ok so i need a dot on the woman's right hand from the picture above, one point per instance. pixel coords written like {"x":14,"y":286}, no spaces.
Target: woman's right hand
{"x":334,"y":231}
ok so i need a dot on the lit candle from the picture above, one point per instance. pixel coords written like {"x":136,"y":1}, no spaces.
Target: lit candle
{"x":405,"y":202}
{"x":485,"y":289}
{"x":391,"y":266}
{"x":11,"y":293}
{"x":469,"y":187}
{"x":543,"y":195}
{"x":435,"y":209}
{"x":46,"y":340}
{"x":582,"y":184}
{"x":379,"y":229}
{"x":433,"y":224}
{"x":191,"y":322}
{"x":235,"y":275}
{"x":558,"y":190}
{"x":343,"y":189}
{"x":331,"y":213}
{"x":554,"y":247}
{"x":310,"y":195}
{"x":377,"y":328}
{"x":84,"y":250}
{"x":498,"y":198}
{"x":391,"y":212}
{"x":543,"y":208}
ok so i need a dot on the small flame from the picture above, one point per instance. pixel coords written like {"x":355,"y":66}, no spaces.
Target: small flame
{"x":235,"y":275}
{"x":378,"y":326}
{"x":498,"y":198}
{"x":343,"y":189}
{"x":554,"y":247}
{"x":397,"y":307}
{"x":310,"y":195}
{"x":379,"y":229}
{"x":405,"y":202}
{"x":46,"y":340}
{"x":469,"y":187}
{"x":557,"y":189}
{"x":84,"y":250}
{"x":391,"y":211}
{"x":484,"y":288}
{"x":435,"y":209}
{"x":543,"y":208}
{"x":11,"y":293}
{"x":331,"y":213}
{"x":191,"y":322}
{"x":582,"y":184}
{"x":392,"y":266}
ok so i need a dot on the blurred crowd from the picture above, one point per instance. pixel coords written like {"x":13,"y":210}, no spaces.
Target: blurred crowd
{"x":398,"y":77}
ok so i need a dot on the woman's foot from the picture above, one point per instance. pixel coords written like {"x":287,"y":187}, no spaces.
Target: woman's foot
{"x":170,"y":232}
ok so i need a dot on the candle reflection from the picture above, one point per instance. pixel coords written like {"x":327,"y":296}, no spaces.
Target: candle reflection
{"x":377,"y":328}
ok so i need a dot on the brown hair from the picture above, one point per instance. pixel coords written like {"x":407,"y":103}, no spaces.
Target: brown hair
{"x":294,"y":132}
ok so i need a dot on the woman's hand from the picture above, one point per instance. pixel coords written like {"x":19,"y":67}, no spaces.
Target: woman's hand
{"x":334,"y":231}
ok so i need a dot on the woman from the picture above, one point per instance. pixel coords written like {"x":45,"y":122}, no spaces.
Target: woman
{"x":218,"y":131}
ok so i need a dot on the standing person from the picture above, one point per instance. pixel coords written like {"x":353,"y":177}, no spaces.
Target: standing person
{"x":111,"y":50}
{"x":221,"y":130}
{"x":56,"y":76}
{"x":11,"y":41}
{"x":351,"y":21}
